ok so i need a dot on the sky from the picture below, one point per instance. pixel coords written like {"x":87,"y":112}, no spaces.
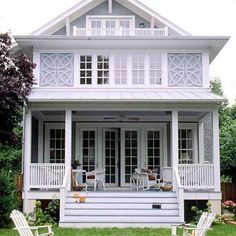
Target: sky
{"x":198,"y":17}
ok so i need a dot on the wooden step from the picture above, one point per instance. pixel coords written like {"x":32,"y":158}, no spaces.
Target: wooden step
{"x":121,"y":219}
{"x":120,"y":205}
{"x":121,"y":212}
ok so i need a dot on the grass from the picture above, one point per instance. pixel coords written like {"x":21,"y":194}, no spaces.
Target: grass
{"x":219,"y":230}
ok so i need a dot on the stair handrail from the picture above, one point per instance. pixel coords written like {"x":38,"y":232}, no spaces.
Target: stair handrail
{"x":180,"y":194}
{"x":63,"y":191}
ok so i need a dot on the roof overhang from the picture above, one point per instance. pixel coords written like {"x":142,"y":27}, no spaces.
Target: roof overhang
{"x":139,"y":96}
{"x":213,"y":44}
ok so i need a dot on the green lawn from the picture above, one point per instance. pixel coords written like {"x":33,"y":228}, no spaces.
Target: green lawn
{"x":225,"y":230}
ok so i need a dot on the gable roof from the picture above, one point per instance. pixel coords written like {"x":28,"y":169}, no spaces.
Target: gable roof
{"x":85,"y":5}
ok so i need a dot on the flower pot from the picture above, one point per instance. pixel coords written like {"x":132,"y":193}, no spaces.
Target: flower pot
{"x":228,"y":215}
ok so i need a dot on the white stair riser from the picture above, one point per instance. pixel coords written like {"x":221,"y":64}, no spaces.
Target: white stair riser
{"x":118,"y":225}
{"x":124,"y":200}
{"x":122,"y":219}
{"x":125,"y":194}
{"x":118,"y":212}
{"x":118,"y":206}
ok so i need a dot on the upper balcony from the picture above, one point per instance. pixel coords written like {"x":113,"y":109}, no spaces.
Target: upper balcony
{"x":131,"y":32}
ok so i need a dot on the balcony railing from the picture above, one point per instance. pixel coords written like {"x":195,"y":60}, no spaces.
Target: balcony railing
{"x":137,"y":32}
{"x":44,"y":175}
{"x":197,"y":176}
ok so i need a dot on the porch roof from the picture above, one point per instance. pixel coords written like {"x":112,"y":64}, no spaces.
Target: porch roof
{"x":95,"y":95}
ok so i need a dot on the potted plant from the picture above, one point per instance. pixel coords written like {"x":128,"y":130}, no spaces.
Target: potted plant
{"x":75,"y":164}
{"x":229,"y":208}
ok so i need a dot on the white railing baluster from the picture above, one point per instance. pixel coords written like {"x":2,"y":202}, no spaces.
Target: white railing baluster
{"x":138,"y":32}
{"x":46,"y":175}
{"x":197,"y":176}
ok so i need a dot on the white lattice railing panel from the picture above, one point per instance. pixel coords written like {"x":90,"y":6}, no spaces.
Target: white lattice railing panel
{"x":147,"y":32}
{"x":185,"y":69}
{"x":57,"y":69}
{"x":45,"y":175}
{"x":197,"y":176}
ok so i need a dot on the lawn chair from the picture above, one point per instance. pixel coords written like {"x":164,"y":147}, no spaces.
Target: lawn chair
{"x":24,"y":229}
{"x":201,"y":229}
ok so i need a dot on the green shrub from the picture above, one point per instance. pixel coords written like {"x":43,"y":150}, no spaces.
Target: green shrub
{"x":8,"y":199}
{"x":10,"y":158}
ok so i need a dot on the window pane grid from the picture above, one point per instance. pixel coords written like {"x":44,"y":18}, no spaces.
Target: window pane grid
{"x":120,"y":70}
{"x":186,"y":149}
{"x":57,"y":146}
{"x":155,"y":69}
{"x":102,"y":70}
{"x":110,"y":156}
{"x":153,"y":149}
{"x":85,"y":69}
{"x":138,"y":69}
{"x":131,"y":154}
{"x":88,"y":150}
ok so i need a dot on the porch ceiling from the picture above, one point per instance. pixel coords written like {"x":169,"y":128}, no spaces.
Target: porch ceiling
{"x":77,"y":95}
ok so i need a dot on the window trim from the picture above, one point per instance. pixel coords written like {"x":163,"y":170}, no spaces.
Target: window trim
{"x":194,"y":128}
{"x":48,"y":127}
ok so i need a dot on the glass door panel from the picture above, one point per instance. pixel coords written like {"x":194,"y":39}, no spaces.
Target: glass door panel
{"x":153,"y":151}
{"x":88,"y":150}
{"x":130,"y":154}
{"x":111,"y":156}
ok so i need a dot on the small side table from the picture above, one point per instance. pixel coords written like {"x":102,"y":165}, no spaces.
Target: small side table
{"x":137,"y":182}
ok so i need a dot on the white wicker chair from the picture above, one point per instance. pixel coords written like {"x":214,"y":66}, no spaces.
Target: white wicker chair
{"x":148,"y":182}
{"x":94,"y":177}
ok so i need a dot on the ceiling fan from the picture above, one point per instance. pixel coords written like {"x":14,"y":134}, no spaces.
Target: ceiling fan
{"x":122,"y":117}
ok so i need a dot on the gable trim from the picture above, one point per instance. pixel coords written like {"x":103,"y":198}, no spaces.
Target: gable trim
{"x":86,"y":5}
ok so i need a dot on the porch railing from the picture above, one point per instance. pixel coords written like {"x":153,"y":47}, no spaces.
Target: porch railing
{"x":143,"y":32}
{"x":197,"y":176}
{"x":44,"y":175}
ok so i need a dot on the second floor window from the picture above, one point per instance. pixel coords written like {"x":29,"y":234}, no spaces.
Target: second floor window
{"x":155,"y":71}
{"x":85,"y":69}
{"x":102,"y":70}
{"x":120,"y":71}
{"x":138,"y":69}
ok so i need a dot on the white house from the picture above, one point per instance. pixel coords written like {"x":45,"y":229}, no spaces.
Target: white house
{"x":120,"y":87}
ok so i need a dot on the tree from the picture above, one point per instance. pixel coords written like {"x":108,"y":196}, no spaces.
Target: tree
{"x":16,"y":80}
{"x":227,"y":117}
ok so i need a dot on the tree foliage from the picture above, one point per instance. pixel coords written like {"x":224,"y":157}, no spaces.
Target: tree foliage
{"x":16,"y":80}
{"x":227,"y":116}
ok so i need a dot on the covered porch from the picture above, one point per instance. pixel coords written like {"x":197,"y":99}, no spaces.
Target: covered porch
{"x":120,"y":139}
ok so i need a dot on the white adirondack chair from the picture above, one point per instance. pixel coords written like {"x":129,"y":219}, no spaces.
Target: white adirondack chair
{"x":201,"y":229}
{"x":24,"y":229}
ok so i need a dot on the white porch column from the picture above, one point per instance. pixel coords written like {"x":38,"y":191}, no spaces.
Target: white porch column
{"x":27,"y":155}
{"x":201,"y":140}
{"x":174,"y":142}
{"x":68,"y":140}
{"x":216,"y":150}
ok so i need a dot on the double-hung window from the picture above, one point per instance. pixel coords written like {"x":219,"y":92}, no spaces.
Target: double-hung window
{"x":120,"y":69}
{"x":186,"y":146}
{"x":102,"y":69}
{"x":86,"y":70}
{"x":155,"y":69}
{"x":138,"y":69}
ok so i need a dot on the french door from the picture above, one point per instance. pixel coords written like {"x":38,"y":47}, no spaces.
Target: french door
{"x":130,"y":149}
{"x":110,"y":147}
{"x":88,"y":149}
